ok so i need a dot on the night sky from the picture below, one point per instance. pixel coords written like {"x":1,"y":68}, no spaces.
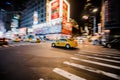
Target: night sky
{"x":13,"y":5}
{"x":77,"y":9}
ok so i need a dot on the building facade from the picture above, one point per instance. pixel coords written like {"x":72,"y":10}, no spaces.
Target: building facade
{"x":47,"y":17}
{"x":111,"y":18}
{"x":32,"y":6}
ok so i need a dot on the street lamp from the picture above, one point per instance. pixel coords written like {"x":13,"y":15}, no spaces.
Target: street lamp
{"x":85,"y":17}
{"x":94,"y":19}
{"x":94,"y":10}
{"x":94,"y":25}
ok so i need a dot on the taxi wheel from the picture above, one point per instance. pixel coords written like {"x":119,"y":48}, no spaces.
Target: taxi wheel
{"x":67,"y":46}
{"x":53,"y":44}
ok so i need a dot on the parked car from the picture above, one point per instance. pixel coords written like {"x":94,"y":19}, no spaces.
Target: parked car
{"x":3,"y":41}
{"x":115,"y":43}
{"x":68,"y":43}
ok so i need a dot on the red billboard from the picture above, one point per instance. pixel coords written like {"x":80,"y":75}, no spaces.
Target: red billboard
{"x":67,"y":28}
{"x":65,"y":11}
{"x":55,"y":7}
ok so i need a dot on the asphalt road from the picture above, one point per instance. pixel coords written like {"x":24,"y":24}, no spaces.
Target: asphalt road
{"x":39,"y":61}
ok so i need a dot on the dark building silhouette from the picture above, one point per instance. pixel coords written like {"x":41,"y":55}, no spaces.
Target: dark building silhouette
{"x":112,"y":17}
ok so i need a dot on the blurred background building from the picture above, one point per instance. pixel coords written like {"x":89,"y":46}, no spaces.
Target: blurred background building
{"x":37,"y":7}
{"x":46,"y":17}
{"x":3,"y":17}
{"x":110,"y":18}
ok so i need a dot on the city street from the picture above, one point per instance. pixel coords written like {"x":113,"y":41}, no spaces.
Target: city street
{"x":39,"y":61}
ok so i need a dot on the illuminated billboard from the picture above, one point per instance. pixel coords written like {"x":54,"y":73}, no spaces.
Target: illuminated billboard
{"x":58,"y":22}
{"x":48,"y":28}
{"x":55,"y":7}
{"x":67,"y":28}
{"x":22,"y":31}
{"x":35,"y":17}
{"x":59,"y":9}
{"x":65,"y":11}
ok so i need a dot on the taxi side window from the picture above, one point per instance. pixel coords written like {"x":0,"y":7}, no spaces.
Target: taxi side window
{"x":63,"y":40}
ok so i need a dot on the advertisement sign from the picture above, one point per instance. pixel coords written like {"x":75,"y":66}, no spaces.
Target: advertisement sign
{"x":59,"y":9}
{"x":48,"y":28}
{"x":55,"y":7}
{"x":22,"y":31}
{"x":65,"y":11}
{"x":35,"y":17}
{"x":67,"y":28}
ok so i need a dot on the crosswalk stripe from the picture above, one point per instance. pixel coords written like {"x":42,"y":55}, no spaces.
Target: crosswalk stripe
{"x":41,"y":79}
{"x":94,"y":51}
{"x":5,"y":46}
{"x":15,"y":45}
{"x":115,"y":57}
{"x":99,"y":55}
{"x":114,"y":52}
{"x":93,"y":70}
{"x":11,"y":45}
{"x":98,"y":63}
{"x":67,"y":74}
{"x":100,"y":58}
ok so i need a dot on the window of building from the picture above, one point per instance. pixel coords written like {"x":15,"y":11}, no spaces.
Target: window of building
{"x":42,"y":10}
{"x":41,"y":0}
{"x":41,"y":20}
{"x":42,"y":15}
{"x":42,"y":5}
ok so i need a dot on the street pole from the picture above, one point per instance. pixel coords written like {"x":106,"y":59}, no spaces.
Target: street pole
{"x":94,"y":25}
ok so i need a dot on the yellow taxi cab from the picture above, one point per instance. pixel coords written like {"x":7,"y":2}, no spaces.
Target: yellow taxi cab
{"x":67,"y":43}
{"x":17,"y":39}
{"x":27,"y":39}
{"x":35,"y":40}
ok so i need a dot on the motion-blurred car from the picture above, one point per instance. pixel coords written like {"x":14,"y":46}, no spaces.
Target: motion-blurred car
{"x":3,"y":41}
{"x":27,"y":38}
{"x":35,"y":40}
{"x":67,"y":43}
{"x":17,"y":39}
{"x":115,"y":43}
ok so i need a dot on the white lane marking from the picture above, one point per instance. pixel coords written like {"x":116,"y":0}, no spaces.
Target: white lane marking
{"x":114,"y":52}
{"x":41,"y":79}
{"x":11,"y":45}
{"x":98,"y":63}
{"x":111,"y":52}
{"x":17,"y":45}
{"x":100,"y":58}
{"x":101,"y":55}
{"x":93,"y":70}
{"x":5,"y":46}
{"x":67,"y":74}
